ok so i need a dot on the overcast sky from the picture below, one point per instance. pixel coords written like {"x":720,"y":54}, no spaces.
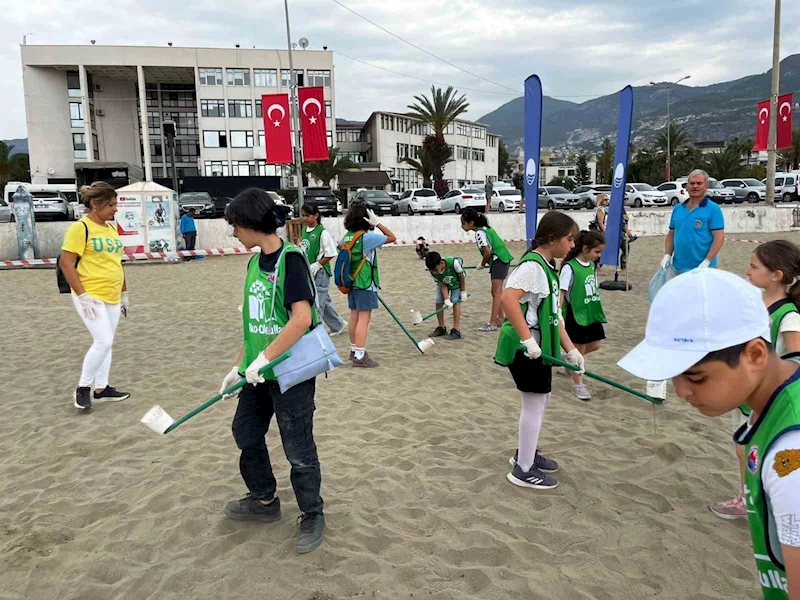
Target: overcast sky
{"x":579,"y":48}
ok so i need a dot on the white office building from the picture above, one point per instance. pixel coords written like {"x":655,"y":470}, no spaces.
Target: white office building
{"x":97,"y":111}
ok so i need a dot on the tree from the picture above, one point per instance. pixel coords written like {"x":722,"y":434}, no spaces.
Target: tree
{"x":439,"y":153}
{"x":725,"y":164}
{"x":790,"y":157}
{"x":605,"y":162}
{"x":328,"y":170}
{"x":20,"y":168}
{"x":687,"y":161}
{"x":441,"y":109}
{"x":423,"y":166}
{"x":582,"y":172}
{"x":567,"y":182}
{"x":678,"y":140}
{"x":503,"y":168}
{"x":5,"y":162}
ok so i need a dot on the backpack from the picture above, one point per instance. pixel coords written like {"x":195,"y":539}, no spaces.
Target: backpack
{"x":63,"y":286}
{"x":341,"y":273}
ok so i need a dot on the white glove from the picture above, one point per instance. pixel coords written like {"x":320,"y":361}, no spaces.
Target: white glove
{"x":125,"y":304}
{"x":575,"y":358}
{"x":479,"y":267}
{"x":704,"y":265}
{"x":532,"y":349}
{"x":372,"y":218}
{"x":666,"y":261}
{"x":315,"y":267}
{"x":464,"y":296}
{"x":252,"y":373}
{"x":87,"y":304}
{"x":231,"y":379}
{"x":448,"y":303}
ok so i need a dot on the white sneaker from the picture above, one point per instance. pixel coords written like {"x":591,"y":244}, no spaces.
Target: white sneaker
{"x":581,"y":392}
{"x":341,"y":331}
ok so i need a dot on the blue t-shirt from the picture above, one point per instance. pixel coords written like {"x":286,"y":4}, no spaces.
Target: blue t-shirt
{"x":372,"y":241}
{"x":187,"y":224}
{"x":694,"y":233}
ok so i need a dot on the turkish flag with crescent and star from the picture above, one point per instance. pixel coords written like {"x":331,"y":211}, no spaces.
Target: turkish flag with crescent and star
{"x":312,"y":123}
{"x":762,"y":127}
{"x":277,"y":128}
{"x":784,"y":124}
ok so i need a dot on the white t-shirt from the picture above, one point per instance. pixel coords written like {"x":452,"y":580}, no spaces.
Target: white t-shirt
{"x":327,"y":247}
{"x":567,"y":276}
{"x":457,"y":266}
{"x":790,"y":322}
{"x":531,"y":279}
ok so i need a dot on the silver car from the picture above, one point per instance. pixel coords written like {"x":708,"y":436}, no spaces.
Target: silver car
{"x":591,"y":192}
{"x":52,"y":205}
{"x":6,"y":215}
{"x":555,"y":196}
{"x":750,"y":190}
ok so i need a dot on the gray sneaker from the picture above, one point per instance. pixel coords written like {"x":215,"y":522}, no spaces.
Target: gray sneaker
{"x":487,"y":327}
{"x":454,"y":334}
{"x":365,"y":363}
{"x":534,"y":478}
{"x":252,"y":509}
{"x":539,"y":461}
{"x":581,"y":392}
{"x":439,"y":332}
{"x":310,"y":532}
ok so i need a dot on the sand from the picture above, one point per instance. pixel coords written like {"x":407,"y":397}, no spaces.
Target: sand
{"x":414,"y":457}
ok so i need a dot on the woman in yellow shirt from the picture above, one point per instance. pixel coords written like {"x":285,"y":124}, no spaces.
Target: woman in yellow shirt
{"x":91,"y":260}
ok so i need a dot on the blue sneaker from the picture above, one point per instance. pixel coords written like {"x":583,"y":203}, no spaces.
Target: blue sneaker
{"x":539,"y":461}
{"x":532,"y":479}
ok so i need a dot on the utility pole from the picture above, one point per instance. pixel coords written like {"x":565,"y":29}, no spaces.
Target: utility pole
{"x":772,"y":141}
{"x":668,"y":172}
{"x":294,"y":109}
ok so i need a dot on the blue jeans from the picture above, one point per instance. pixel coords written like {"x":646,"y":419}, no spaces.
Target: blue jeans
{"x":325,"y":307}
{"x":294,"y":412}
{"x":455,"y":295}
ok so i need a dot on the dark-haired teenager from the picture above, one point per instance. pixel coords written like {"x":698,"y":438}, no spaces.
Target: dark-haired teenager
{"x":451,"y":291}
{"x":278,"y":309}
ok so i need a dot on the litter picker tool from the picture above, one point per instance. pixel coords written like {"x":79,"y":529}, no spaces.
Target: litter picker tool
{"x":159,"y":421}
{"x":422,"y":346}
{"x":417,"y":318}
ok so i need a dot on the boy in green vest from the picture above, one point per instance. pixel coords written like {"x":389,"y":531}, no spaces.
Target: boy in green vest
{"x":708,"y":332}
{"x":451,"y":291}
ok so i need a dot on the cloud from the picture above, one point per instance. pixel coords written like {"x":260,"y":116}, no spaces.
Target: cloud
{"x":580,"y":48}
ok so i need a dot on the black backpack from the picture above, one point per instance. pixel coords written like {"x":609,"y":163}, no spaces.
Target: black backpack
{"x":63,"y":286}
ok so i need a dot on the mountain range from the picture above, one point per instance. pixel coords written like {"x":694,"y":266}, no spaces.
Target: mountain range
{"x":717,"y":112}
{"x":20,"y":146}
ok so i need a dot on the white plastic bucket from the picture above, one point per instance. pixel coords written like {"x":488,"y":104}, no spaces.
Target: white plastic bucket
{"x":157,"y":419}
{"x":425,"y":345}
{"x":416,"y":317}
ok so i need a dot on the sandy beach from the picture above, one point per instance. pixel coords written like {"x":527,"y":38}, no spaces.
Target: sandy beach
{"x":414,"y":457}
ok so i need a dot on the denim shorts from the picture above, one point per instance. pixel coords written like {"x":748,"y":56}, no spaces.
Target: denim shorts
{"x":455,"y":295}
{"x":362,"y":300}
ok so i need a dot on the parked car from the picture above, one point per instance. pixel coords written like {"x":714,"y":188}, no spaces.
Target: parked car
{"x":721,"y":194}
{"x":220,"y":204}
{"x":323,"y":197}
{"x":675,"y":191}
{"x":506,"y":199}
{"x":417,"y":201}
{"x":750,"y":190}
{"x":554,"y":196}
{"x":201,"y":202}
{"x":589,"y":193}
{"x":52,"y":205}
{"x":378,"y":201}
{"x":394,"y":195}
{"x":6,"y":214}
{"x":787,"y":187}
{"x":644,"y":194}
{"x":459,"y":199}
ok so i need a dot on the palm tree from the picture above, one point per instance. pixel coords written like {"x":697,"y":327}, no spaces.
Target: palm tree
{"x":5,"y":162}
{"x":441,"y":109}
{"x":725,"y":164}
{"x":678,"y":140}
{"x":791,"y":156}
{"x":425,"y":166}
{"x":328,"y":170}
{"x":605,"y":161}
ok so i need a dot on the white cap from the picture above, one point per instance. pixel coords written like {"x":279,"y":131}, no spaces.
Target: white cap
{"x":699,"y":312}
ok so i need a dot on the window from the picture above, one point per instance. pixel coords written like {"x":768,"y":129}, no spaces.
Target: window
{"x":356,"y":157}
{"x":450,"y":129}
{"x":187,"y":151}
{"x":216,"y":168}
{"x":212,"y":108}
{"x":402,"y":150}
{"x":241,"y":139}
{"x":478,"y":132}
{"x":492,"y":141}
{"x":240,"y":108}
{"x":185,"y":123}
{"x":238,"y":76}
{"x":158,"y":172}
{"x":210,"y":76}
{"x":215,"y":139}
{"x":152,"y":98}
{"x":321,"y":78}
{"x":73,"y":84}
{"x":261,"y":142}
{"x":76,"y":114}
{"x":259,"y":114}
{"x":265,"y":170}
{"x":298,"y":77}
{"x":95,"y":147}
{"x":156,"y":151}
{"x":341,"y":136}
{"x":265,"y":77}
{"x":462,"y":129}
{"x":178,"y":95}
{"x":154,"y":123}
{"x":329,"y":135}
{"x":243,"y":168}
{"x":328,"y":110}
{"x":78,"y":145}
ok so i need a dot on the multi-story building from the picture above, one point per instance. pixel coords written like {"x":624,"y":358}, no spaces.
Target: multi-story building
{"x":99,"y":110}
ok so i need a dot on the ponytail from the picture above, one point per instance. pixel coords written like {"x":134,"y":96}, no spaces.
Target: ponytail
{"x":783,"y":256}
{"x":470,"y":215}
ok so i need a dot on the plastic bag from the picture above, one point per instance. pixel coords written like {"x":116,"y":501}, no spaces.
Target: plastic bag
{"x":662,"y":276}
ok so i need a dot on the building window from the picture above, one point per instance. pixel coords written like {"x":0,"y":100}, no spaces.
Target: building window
{"x":187,"y":151}
{"x":341,"y":136}
{"x":261,"y":142}
{"x":215,"y":139}
{"x":216,"y":168}
{"x":240,"y":108}
{"x":210,"y":76}
{"x":462,"y":129}
{"x":152,"y":98}
{"x":478,"y":132}
{"x":73,"y":84}
{"x":298,"y":76}
{"x":402,"y":150}
{"x":178,"y":95}
{"x":478,"y":154}
{"x":265,"y":77}
{"x":154,"y":123}
{"x":212,"y":108}
{"x":158,"y":172}
{"x":185,"y":123}
{"x":328,"y":110}
{"x":156,"y":151}
{"x":241,"y":139}
{"x":329,"y":135}
{"x":76,"y":114}
{"x":95,"y":147}
{"x":78,"y":145}
{"x":319,"y":78}
{"x":238,"y":76}
{"x":243,"y":168}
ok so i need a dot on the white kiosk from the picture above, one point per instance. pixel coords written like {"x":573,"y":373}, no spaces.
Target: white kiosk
{"x":147,"y":218}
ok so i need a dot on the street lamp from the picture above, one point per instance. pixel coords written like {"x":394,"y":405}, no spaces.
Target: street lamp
{"x":669,"y":86}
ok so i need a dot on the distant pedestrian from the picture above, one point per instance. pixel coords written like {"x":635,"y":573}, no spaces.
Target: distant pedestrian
{"x":488,"y":190}
{"x":189,"y":229}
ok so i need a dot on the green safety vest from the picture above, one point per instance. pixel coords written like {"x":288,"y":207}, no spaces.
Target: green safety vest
{"x":509,"y":342}
{"x":449,"y":277}
{"x":310,"y":244}
{"x":497,"y":245}
{"x":263,"y":312}
{"x":584,"y":297}
{"x":369,"y":273}
{"x":782,"y":414}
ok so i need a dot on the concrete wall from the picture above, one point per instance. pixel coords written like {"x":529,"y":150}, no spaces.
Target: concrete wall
{"x":118,"y":129}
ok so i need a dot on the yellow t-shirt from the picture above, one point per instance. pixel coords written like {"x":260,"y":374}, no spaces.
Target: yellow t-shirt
{"x":100,"y":267}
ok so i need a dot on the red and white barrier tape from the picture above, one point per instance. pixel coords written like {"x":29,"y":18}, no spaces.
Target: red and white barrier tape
{"x":727,"y":239}
{"x":135,"y":256}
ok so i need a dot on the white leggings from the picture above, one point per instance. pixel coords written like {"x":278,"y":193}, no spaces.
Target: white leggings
{"x":97,"y":363}
{"x":530,"y":424}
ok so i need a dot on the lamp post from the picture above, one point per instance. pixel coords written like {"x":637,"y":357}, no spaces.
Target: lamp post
{"x":294,"y":111}
{"x":772,"y":140}
{"x":668,"y":87}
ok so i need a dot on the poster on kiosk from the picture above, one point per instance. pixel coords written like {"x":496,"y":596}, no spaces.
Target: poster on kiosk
{"x":146,"y":218}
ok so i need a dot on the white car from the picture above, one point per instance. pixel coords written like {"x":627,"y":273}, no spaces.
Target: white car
{"x":506,"y":199}
{"x":675,"y":191}
{"x":589,"y":193}
{"x":644,"y":194}
{"x":459,"y":199}
{"x":418,"y":201}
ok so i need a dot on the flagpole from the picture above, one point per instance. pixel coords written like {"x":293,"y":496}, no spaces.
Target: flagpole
{"x":772,"y":142}
{"x":294,"y":111}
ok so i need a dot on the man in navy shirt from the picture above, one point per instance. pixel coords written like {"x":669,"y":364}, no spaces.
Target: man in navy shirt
{"x":696,"y":229}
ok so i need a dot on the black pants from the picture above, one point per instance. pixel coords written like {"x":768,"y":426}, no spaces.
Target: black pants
{"x":294,"y":412}
{"x":190,"y":237}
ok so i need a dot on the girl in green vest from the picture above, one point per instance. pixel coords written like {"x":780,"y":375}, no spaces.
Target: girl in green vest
{"x":278,"y":309}
{"x":775,"y":268}
{"x":493,"y":253}
{"x":580,"y":299}
{"x":532,"y":329}
{"x":319,"y":248}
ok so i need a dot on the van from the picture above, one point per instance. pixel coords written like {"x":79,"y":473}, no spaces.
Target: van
{"x":787,"y":186}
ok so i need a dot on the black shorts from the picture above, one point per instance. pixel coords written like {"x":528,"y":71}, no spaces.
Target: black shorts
{"x":582,"y":334}
{"x":498,"y":270}
{"x":531,"y":376}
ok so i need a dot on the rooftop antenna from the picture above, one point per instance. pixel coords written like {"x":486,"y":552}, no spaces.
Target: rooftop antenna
{"x":25,"y":39}
{"x":303,"y":43}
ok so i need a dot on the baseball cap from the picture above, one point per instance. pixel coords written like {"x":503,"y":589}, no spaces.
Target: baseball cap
{"x":701,"y":311}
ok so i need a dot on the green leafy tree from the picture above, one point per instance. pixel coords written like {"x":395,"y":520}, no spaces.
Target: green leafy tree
{"x":686,"y":161}
{"x":678,"y":140}
{"x":441,"y":109}
{"x":5,"y":162}
{"x":725,"y":164}
{"x":20,"y":168}
{"x":503,"y":168}
{"x":567,"y":182}
{"x":583,"y":174}
{"x":605,"y":161}
{"x":424,"y":166}
{"x":328,"y":170}
{"x":790,"y":158}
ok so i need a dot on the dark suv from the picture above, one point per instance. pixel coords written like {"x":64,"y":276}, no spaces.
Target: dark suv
{"x":378,"y":201}
{"x":323,"y":197}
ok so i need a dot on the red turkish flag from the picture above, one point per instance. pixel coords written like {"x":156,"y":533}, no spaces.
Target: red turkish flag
{"x":784,"y":121}
{"x":312,"y":123}
{"x":762,"y":127}
{"x":277,"y":128}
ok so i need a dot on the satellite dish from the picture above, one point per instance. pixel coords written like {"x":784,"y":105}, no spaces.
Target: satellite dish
{"x":51,"y":171}
{"x":303,"y":43}
{"x":294,"y":45}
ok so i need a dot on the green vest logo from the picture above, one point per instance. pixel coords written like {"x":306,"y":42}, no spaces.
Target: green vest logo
{"x":773,"y":579}
{"x":554,"y":284}
{"x":257,"y":296}
{"x":305,"y":245}
{"x":590,"y":286}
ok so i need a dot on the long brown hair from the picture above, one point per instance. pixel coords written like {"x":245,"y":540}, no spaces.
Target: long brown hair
{"x":783,"y":256}
{"x":592,"y":239}
{"x":553,"y":226}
